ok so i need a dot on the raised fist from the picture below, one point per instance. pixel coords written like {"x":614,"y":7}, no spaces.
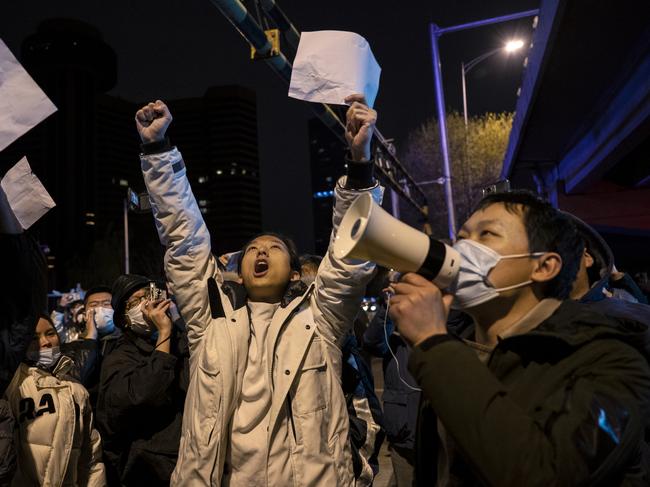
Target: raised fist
{"x":359,"y":126}
{"x":152,"y":121}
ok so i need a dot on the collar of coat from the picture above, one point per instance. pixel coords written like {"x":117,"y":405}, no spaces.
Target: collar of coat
{"x":238,"y":297}
{"x":573,"y":325}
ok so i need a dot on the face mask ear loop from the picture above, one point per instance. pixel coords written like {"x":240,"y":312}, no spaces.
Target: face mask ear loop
{"x":514,"y":286}
{"x":399,"y":374}
{"x":521,"y":284}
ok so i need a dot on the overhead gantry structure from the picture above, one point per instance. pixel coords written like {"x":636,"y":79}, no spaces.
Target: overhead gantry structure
{"x":262,"y":30}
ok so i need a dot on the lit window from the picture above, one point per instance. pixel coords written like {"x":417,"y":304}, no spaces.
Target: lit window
{"x":203,"y":202}
{"x":219,"y":172}
{"x":124,"y":182}
{"x":203,"y":179}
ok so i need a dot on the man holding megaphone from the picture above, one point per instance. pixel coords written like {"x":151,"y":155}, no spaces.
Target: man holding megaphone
{"x":542,"y":390}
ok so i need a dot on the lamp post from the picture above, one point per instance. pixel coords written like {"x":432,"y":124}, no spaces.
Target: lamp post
{"x":509,"y":47}
{"x":435,"y":32}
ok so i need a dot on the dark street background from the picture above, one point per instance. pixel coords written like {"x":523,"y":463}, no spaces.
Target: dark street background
{"x":171,"y":49}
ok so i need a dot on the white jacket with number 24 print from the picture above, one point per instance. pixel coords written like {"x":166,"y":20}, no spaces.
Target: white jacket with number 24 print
{"x":304,"y":340}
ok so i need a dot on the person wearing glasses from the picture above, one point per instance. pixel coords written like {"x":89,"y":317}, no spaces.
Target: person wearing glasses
{"x":142,"y":387}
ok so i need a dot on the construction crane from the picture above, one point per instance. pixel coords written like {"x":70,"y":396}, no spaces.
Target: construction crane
{"x":265,"y":45}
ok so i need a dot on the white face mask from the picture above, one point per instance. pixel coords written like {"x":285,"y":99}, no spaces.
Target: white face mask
{"x":104,"y":320}
{"x":136,"y":322}
{"x":472,"y":287}
{"x":45,"y":357}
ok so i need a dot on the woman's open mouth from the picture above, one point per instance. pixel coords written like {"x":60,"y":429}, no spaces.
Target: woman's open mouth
{"x":261,"y":268}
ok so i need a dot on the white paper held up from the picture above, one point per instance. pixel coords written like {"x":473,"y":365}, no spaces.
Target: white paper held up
{"x":331,"y":65}
{"x":28,"y":198}
{"x":23,"y":105}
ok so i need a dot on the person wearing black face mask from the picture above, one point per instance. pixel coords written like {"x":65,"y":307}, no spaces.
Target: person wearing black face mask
{"x":142,"y":387}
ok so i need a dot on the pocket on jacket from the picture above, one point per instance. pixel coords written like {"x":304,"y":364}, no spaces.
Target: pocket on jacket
{"x":310,"y":391}
{"x":396,"y":417}
{"x":206,"y":396}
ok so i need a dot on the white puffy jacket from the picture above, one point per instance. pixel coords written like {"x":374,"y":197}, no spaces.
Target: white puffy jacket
{"x":304,"y":342}
{"x":57,"y":443}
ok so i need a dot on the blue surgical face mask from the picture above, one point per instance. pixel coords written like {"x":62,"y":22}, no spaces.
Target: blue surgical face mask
{"x":44,"y":357}
{"x":104,"y":320}
{"x":473,"y":287}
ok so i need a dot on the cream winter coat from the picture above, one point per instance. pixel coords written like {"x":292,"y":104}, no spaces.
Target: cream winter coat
{"x":57,"y":443}
{"x":304,"y":340}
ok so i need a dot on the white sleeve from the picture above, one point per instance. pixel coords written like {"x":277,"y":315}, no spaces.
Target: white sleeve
{"x":340,"y":284}
{"x":189,"y":262}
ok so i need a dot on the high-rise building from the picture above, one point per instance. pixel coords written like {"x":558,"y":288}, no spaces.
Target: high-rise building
{"x":73,"y":65}
{"x":86,"y":154}
{"x":217,"y":135}
{"x":327,"y":157}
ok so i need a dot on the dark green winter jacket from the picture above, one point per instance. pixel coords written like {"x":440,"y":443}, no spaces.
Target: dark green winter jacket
{"x":566,"y":404}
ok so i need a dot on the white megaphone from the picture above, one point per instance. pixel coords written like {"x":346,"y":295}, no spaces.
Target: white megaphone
{"x":368,"y":232}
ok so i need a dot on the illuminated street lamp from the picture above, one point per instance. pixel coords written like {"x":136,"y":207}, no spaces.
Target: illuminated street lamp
{"x":509,"y":47}
{"x":435,"y":32}
{"x":514,"y":45}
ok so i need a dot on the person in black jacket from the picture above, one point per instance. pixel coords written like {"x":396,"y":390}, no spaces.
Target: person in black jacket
{"x":142,"y":388}
{"x":100,"y":338}
{"x":544,"y":390}
{"x":401,"y":395}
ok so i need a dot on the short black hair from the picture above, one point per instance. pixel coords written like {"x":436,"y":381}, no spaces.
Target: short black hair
{"x":96,"y":289}
{"x":548,"y":230}
{"x":294,"y":256}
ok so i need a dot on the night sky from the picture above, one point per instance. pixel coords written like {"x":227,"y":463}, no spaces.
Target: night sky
{"x":172,"y":49}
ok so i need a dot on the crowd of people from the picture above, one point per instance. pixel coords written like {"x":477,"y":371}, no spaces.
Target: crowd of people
{"x":251,"y":369}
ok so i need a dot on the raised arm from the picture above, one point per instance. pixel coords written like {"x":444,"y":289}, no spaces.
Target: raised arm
{"x":340,"y":285}
{"x":189,"y":263}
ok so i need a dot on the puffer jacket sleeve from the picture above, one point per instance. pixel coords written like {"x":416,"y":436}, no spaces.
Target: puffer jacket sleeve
{"x":91,"y":465}
{"x":7,"y":448}
{"x":84,"y":355}
{"x":340,"y":284}
{"x":189,"y":262}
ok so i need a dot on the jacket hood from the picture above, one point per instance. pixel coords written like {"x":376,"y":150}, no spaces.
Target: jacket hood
{"x":603,"y":259}
{"x":574,"y":324}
